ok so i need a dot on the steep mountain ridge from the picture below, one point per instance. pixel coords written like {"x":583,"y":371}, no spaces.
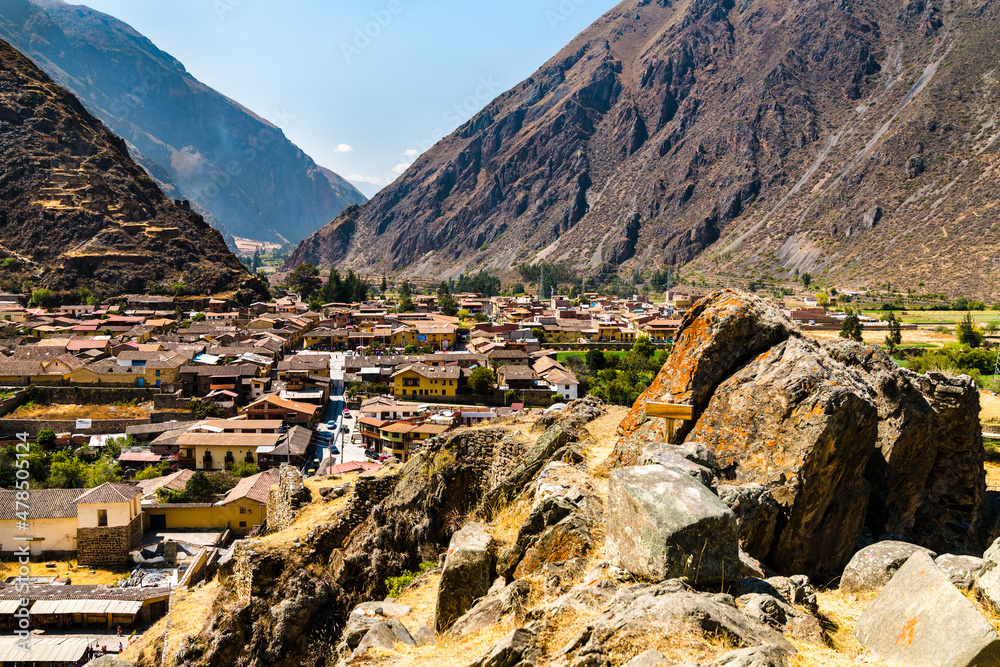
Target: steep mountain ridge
{"x":77,"y":213}
{"x":236,"y":168}
{"x":849,"y":139}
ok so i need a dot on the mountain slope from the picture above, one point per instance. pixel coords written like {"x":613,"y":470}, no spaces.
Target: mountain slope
{"x":853,"y":140}
{"x":77,"y":213}
{"x":236,"y":168}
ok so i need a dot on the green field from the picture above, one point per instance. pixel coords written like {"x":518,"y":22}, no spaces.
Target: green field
{"x":930,"y":316}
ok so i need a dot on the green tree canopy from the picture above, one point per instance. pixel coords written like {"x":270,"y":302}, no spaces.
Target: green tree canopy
{"x":852,"y":328}
{"x":968,"y":332}
{"x":481,"y":380}
{"x":304,"y":280}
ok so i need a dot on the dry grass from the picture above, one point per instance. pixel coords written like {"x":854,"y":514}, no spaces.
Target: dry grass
{"x":507,"y":523}
{"x":989,"y":407}
{"x":985,"y":607}
{"x":191,"y":612}
{"x":67,"y":568}
{"x":992,"y":474}
{"x":68,"y":412}
{"x":910,"y":336}
{"x":316,"y":513}
{"x":839,"y":612}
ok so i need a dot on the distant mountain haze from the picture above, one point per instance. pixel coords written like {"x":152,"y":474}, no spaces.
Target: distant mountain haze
{"x":236,"y":168}
{"x":853,"y":140}
{"x":78,"y":215}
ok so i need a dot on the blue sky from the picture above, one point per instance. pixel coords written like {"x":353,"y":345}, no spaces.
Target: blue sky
{"x":362,"y":86}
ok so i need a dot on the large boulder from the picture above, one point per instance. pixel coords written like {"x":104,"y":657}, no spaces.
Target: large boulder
{"x":988,"y":578}
{"x":719,"y":334}
{"x":641,"y":614}
{"x":804,"y":426}
{"x":927,"y":476}
{"x":468,"y":573}
{"x":756,"y":513}
{"x":920,"y":619}
{"x":871,"y":568}
{"x":961,"y":570}
{"x":663,"y":524}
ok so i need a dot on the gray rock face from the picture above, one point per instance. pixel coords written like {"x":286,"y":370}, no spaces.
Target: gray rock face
{"x":651,"y":610}
{"x":506,"y":604}
{"x":804,"y":426}
{"x":756,"y":513}
{"x":756,"y":656}
{"x":927,"y":476}
{"x":650,"y":658}
{"x":961,"y":570}
{"x":468,"y":573}
{"x":988,"y":576}
{"x":871,"y":568}
{"x":667,"y":458}
{"x":662,"y":524}
{"x":518,"y":649}
{"x":921,"y":619}
{"x":384,"y":635}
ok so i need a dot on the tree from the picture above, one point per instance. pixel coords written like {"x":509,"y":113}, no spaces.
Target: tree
{"x":968,"y":333}
{"x":150,"y":472}
{"x":538,"y":333}
{"x":43,"y":298}
{"x":446,"y":302}
{"x":199,"y":317}
{"x":304,"y":280}
{"x":46,"y":438}
{"x":105,"y":470}
{"x":463,"y":314}
{"x":481,"y":380}
{"x":517,"y":288}
{"x":852,"y":328}
{"x":246,"y":469}
{"x":644,"y":347}
{"x":385,"y":284}
{"x":202,"y":410}
{"x":199,"y":489}
{"x":595,"y":360}
{"x":806,"y":280}
{"x":406,"y":298}
{"x":66,"y":472}
{"x":895,"y":335}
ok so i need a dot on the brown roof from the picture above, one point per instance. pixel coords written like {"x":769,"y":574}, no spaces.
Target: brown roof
{"x":287,"y":405}
{"x":175,"y":481}
{"x":109,"y":492}
{"x":399,"y":427}
{"x":8,"y":592}
{"x":255,"y":487}
{"x":43,"y":504}
{"x":452,"y":372}
{"x":229,"y":439}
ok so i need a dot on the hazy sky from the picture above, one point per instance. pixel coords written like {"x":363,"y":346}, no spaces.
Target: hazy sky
{"x":362,"y":86}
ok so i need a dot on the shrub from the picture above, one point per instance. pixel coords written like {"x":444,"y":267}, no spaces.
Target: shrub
{"x":397,"y":585}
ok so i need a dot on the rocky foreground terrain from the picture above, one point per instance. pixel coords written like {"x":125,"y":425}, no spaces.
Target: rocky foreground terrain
{"x":855,"y":140}
{"x":77,"y":212}
{"x":823,"y":507}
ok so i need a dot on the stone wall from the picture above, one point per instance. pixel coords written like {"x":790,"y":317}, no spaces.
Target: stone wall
{"x":506,"y":455}
{"x":11,"y":427}
{"x":109,"y":545}
{"x":285,"y":499}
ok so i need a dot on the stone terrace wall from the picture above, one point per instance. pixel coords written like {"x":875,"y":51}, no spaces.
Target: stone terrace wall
{"x":285,"y":499}
{"x":108,"y":545}
{"x":11,"y":427}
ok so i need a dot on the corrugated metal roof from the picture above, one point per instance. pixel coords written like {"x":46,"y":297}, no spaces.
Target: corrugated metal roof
{"x":9,"y":606}
{"x":48,"y":649}
{"x":124,"y":607}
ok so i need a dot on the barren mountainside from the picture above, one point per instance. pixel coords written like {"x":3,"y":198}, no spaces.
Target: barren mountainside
{"x":77,"y":212}
{"x":237,"y":169}
{"x":855,"y":140}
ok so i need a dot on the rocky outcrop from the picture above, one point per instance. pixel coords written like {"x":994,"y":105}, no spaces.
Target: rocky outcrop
{"x":469,"y":570}
{"x":816,"y":445}
{"x":920,"y":618}
{"x":717,"y":336}
{"x":871,"y":568}
{"x":663,"y":524}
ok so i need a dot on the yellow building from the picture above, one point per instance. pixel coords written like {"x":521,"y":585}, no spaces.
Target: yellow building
{"x":424,"y":380}
{"x":224,"y":451}
{"x":243,"y":509}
